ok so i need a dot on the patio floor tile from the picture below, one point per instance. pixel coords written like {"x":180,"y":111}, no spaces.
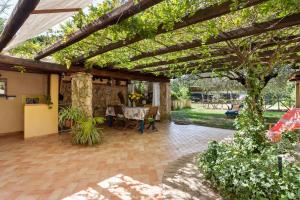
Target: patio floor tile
{"x":127,"y":165}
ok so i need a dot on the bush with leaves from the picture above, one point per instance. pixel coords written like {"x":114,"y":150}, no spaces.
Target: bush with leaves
{"x":180,"y":90}
{"x":238,"y":173}
{"x":85,"y":129}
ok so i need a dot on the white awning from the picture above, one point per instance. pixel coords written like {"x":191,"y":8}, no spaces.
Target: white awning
{"x":39,"y":23}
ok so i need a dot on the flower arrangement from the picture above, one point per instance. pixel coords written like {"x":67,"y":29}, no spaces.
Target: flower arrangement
{"x":134,"y":97}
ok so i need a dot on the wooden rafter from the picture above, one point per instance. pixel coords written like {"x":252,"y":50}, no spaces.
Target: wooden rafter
{"x":63,"y":10}
{"x":291,"y":54}
{"x":116,"y":16}
{"x":254,"y":29}
{"x":6,"y":67}
{"x":217,"y":64}
{"x":31,"y":64}
{"x":199,"y":16}
{"x":128,"y":75}
{"x":219,"y":52}
{"x":19,"y":15}
{"x":47,"y":67}
{"x":292,"y":59}
{"x":189,"y":65}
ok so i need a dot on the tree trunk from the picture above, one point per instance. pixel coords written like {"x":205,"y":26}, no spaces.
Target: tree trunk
{"x":250,"y":122}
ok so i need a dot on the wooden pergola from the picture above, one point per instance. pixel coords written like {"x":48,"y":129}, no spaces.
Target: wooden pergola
{"x":163,"y":67}
{"x":138,"y":72}
{"x":158,"y":67}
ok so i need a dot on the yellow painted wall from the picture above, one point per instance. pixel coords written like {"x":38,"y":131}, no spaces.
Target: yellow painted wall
{"x":12,"y":111}
{"x":39,"y":119}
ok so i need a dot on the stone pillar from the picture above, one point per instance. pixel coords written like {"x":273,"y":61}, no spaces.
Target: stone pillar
{"x":298,"y":94}
{"x":82,"y":92}
{"x":114,"y":100}
{"x":165,"y":100}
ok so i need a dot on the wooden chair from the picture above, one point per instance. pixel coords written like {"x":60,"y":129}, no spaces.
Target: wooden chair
{"x":119,"y":115}
{"x":150,"y":117}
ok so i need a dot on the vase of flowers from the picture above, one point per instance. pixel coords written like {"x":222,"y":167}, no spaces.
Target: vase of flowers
{"x":135,"y":98}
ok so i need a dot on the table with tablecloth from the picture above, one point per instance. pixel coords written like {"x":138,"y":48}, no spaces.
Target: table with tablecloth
{"x":133,"y":113}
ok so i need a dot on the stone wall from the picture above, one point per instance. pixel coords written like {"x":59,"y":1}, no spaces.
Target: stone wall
{"x":103,"y":95}
{"x":65,"y":90}
{"x":99,"y":96}
{"x":82,"y":92}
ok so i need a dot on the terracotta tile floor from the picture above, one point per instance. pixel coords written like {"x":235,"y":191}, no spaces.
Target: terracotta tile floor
{"x":125,"y":166}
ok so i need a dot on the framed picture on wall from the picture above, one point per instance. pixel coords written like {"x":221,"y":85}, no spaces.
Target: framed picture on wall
{"x":3,"y":86}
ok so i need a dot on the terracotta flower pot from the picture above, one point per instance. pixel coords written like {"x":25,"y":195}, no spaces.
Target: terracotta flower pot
{"x":68,"y":123}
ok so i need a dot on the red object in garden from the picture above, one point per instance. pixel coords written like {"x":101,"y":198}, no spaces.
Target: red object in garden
{"x":288,"y":122}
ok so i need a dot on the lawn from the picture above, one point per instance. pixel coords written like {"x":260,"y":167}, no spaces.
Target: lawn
{"x":213,"y":118}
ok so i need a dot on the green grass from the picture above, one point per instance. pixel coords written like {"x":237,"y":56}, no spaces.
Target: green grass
{"x":214,"y":118}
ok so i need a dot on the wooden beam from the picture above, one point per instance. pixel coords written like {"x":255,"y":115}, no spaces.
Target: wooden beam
{"x":201,"y":15}
{"x":291,"y":53}
{"x":219,"y":52}
{"x":188,"y":65}
{"x":31,"y":64}
{"x":6,"y":67}
{"x":19,"y":15}
{"x":116,"y":16}
{"x":128,"y":75}
{"x":43,"y":67}
{"x":181,"y":59}
{"x":63,"y":10}
{"x":232,"y":61}
{"x":254,"y":29}
{"x":293,"y":60}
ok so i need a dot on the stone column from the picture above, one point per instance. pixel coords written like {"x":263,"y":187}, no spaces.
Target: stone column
{"x":114,"y":94}
{"x":165,"y":100}
{"x":298,"y":94}
{"x":82,"y":92}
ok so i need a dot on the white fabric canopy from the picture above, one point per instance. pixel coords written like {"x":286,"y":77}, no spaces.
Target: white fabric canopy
{"x":39,"y":23}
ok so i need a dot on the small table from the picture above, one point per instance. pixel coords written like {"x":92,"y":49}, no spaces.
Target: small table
{"x":136,"y":113}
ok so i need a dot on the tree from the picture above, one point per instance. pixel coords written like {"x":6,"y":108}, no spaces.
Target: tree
{"x":180,"y":89}
{"x":280,"y":90}
{"x":254,"y":73}
{"x":4,"y":7}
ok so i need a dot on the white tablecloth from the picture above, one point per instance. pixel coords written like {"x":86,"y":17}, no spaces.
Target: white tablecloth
{"x":137,"y":113}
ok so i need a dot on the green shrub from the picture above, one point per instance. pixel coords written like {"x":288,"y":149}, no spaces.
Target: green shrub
{"x":287,"y":143}
{"x":241,"y":174}
{"x":179,"y":91}
{"x":84,"y":129}
{"x":70,"y":113}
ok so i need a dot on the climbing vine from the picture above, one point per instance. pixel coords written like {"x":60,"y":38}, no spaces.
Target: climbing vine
{"x":145,"y":25}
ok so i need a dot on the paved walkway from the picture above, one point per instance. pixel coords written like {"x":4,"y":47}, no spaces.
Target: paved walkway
{"x":127,"y":165}
{"x":183,"y":180}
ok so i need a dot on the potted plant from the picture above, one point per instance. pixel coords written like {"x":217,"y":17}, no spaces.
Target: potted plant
{"x":85,"y":129}
{"x":68,"y":115}
{"x":48,"y":101}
